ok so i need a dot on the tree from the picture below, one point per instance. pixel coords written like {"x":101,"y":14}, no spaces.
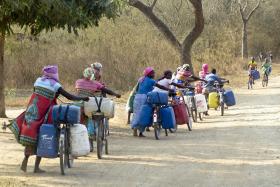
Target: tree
{"x":184,"y":48}
{"x":243,"y":8}
{"x":39,"y":15}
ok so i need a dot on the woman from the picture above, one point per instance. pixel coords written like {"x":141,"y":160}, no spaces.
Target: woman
{"x":91,"y":88}
{"x":39,"y":111}
{"x":204,"y":71}
{"x":146,"y":84}
{"x":166,"y":81}
{"x":185,"y":76}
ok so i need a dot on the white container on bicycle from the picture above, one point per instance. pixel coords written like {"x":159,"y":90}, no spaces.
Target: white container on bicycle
{"x":201,"y":103}
{"x":79,"y":140}
{"x":106,"y":106}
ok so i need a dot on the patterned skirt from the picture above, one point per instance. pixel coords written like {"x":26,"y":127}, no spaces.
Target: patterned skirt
{"x":27,"y":125}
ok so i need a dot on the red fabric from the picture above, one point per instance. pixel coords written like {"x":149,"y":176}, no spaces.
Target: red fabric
{"x":89,"y":85}
{"x":181,"y":114}
{"x":28,"y":123}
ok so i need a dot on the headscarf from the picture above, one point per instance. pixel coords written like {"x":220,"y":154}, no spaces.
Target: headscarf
{"x":96,"y":68}
{"x":50,"y":72}
{"x":146,"y":73}
{"x":88,"y":73}
{"x":204,"y":71}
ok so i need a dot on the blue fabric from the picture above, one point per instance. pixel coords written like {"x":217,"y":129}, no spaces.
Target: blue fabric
{"x":60,"y":115}
{"x":139,"y":101}
{"x":211,"y":79}
{"x":146,"y":86}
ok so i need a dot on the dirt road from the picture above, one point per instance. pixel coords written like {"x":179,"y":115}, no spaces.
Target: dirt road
{"x":239,"y":149}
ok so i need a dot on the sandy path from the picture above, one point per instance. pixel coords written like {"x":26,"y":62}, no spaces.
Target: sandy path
{"x":239,"y":149}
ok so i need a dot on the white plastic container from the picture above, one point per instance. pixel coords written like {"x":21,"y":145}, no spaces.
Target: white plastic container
{"x":79,"y":140}
{"x":107,"y":107}
{"x":188,"y":101}
{"x":201,"y":103}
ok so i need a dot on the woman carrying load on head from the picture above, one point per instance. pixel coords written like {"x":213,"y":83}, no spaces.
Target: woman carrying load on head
{"x":39,"y":111}
{"x":185,"y":76}
{"x":90,"y":88}
{"x":146,"y":84}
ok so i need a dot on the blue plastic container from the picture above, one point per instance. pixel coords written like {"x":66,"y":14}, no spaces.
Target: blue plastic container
{"x":158,"y":98}
{"x":167,"y":117}
{"x":229,"y":98}
{"x":145,"y":118}
{"x":255,"y":74}
{"x":48,"y":141}
{"x":189,"y":93}
{"x":66,"y":114}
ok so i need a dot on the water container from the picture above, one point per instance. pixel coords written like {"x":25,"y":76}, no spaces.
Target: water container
{"x":48,"y":141}
{"x":201,"y":103}
{"x":229,"y":98}
{"x":188,"y":101}
{"x":107,"y":106}
{"x":79,"y":140}
{"x":159,"y":98}
{"x":213,"y":100}
{"x":66,"y":114}
{"x":255,"y":74}
{"x":145,"y":116}
{"x":181,"y":114}
{"x":167,"y":117}
{"x":189,"y":93}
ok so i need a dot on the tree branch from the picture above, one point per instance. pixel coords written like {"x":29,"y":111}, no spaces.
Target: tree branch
{"x":154,"y":4}
{"x":160,"y":25}
{"x":199,"y":24}
{"x":253,"y":11}
{"x":241,"y":11}
{"x":245,"y":6}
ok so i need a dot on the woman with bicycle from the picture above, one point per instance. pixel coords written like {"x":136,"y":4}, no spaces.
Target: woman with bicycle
{"x":88,"y":86}
{"x":26,"y":126}
{"x":145,"y":85}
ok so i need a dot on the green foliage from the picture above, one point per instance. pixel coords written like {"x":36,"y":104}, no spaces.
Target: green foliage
{"x":49,"y":14}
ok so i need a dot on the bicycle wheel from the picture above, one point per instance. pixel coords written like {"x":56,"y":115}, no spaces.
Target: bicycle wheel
{"x":100,"y":139}
{"x":194,"y":110}
{"x":69,"y":157}
{"x":200,"y":115}
{"x":62,"y":155}
{"x":106,"y":147}
{"x":157,"y":129}
{"x":189,"y":123}
{"x":222,"y":108}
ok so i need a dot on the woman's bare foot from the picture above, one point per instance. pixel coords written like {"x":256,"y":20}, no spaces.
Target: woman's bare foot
{"x":24,"y":164}
{"x":38,"y":170}
{"x":141,"y":135}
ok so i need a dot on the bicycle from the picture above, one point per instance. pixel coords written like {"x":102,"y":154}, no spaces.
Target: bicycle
{"x":157,"y":122}
{"x":265,"y":80}
{"x":191,"y":103}
{"x":220,"y":90}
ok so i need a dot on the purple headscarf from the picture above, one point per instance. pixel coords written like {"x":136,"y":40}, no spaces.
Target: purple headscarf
{"x":50,"y":72}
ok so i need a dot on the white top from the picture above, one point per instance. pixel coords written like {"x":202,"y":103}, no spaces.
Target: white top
{"x":164,"y":82}
{"x":47,"y":84}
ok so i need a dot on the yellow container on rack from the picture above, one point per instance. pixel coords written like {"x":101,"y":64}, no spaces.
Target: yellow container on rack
{"x":213,"y":100}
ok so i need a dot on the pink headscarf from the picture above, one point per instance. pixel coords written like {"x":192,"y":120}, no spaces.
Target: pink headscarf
{"x":204,"y":71}
{"x":146,"y":72}
{"x":50,"y":72}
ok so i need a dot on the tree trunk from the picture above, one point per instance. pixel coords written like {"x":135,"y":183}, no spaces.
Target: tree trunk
{"x":2,"y":77}
{"x":245,"y":41}
{"x":186,"y":57}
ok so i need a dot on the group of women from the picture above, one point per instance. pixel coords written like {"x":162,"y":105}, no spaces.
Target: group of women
{"x":47,"y":88}
{"x":168,"y":82}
